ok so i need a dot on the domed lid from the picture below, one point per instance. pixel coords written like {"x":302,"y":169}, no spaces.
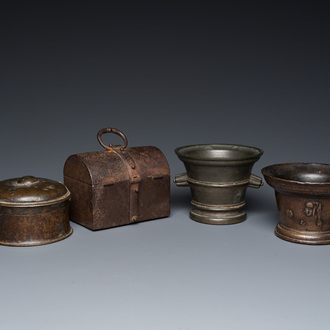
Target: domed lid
{"x":29,"y":191}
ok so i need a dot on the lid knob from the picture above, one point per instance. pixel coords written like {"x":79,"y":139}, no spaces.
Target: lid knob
{"x":27,"y":180}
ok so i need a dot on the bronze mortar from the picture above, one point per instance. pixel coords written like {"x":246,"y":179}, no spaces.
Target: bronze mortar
{"x":218,"y":176}
{"x":303,"y":199}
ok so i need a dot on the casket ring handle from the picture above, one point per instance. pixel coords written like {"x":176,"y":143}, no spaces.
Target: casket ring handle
{"x":115,"y":131}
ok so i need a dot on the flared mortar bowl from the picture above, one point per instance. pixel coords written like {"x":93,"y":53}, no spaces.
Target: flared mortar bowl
{"x":218,"y":176}
{"x":302,"y":193}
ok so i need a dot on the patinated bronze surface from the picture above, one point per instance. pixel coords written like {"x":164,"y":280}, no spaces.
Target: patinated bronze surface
{"x":117,"y":186}
{"x":303,"y":198}
{"x":33,"y":211}
{"x":218,"y":176}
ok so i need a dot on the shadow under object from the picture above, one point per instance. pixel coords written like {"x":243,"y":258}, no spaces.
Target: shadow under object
{"x":33,"y":211}
{"x":302,"y":193}
{"x":218,"y":176}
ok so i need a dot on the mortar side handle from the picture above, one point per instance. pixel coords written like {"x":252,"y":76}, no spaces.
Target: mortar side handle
{"x":181,"y":180}
{"x":255,"y":181}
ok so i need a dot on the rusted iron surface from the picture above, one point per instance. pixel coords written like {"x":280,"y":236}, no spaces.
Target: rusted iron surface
{"x":303,"y":199}
{"x":33,"y":211}
{"x":117,"y":186}
{"x":218,"y":176}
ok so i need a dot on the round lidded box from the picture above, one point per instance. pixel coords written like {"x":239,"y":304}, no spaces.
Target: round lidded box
{"x":33,"y":211}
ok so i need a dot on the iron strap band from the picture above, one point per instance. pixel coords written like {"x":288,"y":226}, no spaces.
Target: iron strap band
{"x":134,"y":184}
{"x":217,"y":207}
{"x":217,"y":184}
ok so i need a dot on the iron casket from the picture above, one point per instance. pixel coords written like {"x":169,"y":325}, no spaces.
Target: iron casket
{"x":117,"y":186}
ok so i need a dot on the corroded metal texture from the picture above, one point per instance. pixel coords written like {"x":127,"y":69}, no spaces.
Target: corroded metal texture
{"x":33,"y":211}
{"x":303,"y":199}
{"x":117,"y":186}
{"x":218,"y":176}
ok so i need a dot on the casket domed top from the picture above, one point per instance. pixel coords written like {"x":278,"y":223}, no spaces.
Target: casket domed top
{"x":105,"y":167}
